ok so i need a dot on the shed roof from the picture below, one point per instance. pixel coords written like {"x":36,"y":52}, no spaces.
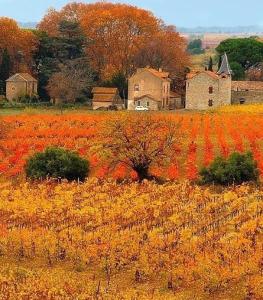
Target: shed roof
{"x":21,"y":77}
{"x":104,"y":90}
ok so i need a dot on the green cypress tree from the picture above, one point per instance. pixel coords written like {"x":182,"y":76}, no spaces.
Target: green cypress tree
{"x":210,"y":65}
{"x":5,"y":69}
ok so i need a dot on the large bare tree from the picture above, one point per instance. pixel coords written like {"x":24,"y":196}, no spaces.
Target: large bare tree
{"x":140,"y":141}
{"x":71,"y":81}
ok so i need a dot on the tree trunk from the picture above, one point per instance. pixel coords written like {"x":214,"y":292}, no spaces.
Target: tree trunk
{"x":143,"y":172}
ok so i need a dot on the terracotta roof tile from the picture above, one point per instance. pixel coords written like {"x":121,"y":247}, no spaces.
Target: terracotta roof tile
{"x":162,"y":75}
{"x":212,"y":74}
{"x":104,"y":90}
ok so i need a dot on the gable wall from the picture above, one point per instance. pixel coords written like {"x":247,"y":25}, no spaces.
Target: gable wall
{"x":197,"y":92}
{"x":148,"y":85}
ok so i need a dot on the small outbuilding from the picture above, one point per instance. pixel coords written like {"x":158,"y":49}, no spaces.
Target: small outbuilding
{"x":20,"y":84}
{"x":149,"y":102}
{"x":106,"y":98}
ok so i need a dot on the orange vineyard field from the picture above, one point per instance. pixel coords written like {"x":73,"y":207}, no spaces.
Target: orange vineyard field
{"x":118,"y":240}
{"x":204,"y":136}
{"x":132,"y":241}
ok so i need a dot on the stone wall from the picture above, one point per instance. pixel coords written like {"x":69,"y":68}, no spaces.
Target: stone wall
{"x":15,"y":89}
{"x":248,"y":96}
{"x":198,"y":95}
{"x":197,"y":91}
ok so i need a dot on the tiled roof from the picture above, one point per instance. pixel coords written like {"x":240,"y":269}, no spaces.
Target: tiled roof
{"x":104,"y":90}
{"x":209,"y":73}
{"x":160,"y":74}
{"x":21,"y":77}
{"x":147,"y":96}
{"x":247,"y":85}
{"x":103,"y":97}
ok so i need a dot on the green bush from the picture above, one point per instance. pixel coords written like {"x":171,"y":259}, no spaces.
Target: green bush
{"x":238,"y":168}
{"x":57,"y":163}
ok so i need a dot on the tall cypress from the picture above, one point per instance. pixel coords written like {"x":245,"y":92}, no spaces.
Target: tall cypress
{"x":210,"y":66}
{"x":5,"y":69}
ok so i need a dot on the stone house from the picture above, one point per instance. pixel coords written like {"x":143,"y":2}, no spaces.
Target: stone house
{"x":149,"y":102}
{"x":206,"y":89}
{"x":20,"y":84}
{"x":247,"y":92}
{"x":153,"y":86}
{"x":106,"y":98}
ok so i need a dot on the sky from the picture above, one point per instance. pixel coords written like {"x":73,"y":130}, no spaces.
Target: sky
{"x":182,"y":13}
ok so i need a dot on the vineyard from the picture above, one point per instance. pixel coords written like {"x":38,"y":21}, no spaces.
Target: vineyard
{"x":204,"y":136}
{"x":108,"y":238}
{"x":132,"y":241}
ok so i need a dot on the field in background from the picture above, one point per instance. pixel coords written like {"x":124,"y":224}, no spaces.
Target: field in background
{"x":200,"y":61}
{"x":203,"y":136}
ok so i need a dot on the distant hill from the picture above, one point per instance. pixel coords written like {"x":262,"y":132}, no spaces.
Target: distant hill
{"x":31,"y":25}
{"x":254,"y":29}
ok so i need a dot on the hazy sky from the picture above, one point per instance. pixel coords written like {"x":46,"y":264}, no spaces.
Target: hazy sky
{"x":189,"y":13}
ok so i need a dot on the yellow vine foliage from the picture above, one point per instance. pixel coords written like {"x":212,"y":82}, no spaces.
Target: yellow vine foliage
{"x":101,"y":240}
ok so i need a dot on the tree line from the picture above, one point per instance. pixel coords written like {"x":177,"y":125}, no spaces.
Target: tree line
{"x":86,"y":44}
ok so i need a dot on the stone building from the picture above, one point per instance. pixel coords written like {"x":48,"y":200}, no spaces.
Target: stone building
{"x":207,"y":89}
{"x":149,"y":102}
{"x":106,"y":98}
{"x":20,"y":84}
{"x":149,"y":87}
{"x":247,"y":92}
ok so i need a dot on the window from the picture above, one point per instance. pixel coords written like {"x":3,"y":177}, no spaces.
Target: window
{"x":148,"y":103}
{"x":139,"y":103}
{"x":136,"y":87}
{"x":210,"y":102}
{"x":188,"y":84}
{"x":167,"y":101}
{"x":211,"y":90}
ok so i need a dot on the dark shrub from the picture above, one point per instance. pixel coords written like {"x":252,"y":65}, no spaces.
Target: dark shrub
{"x":238,"y":168}
{"x":57,"y":163}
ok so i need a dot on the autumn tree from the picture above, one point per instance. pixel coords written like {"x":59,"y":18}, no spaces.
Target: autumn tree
{"x":122,"y":37}
{"x":19,"y":43}
{"x":131,"y":140}
{"x":71,"y":81}
{"x":56,"y":51}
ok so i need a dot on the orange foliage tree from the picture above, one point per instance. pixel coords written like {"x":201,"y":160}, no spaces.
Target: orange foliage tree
{"x":19,"y":43}
{"x":122,"y":37}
